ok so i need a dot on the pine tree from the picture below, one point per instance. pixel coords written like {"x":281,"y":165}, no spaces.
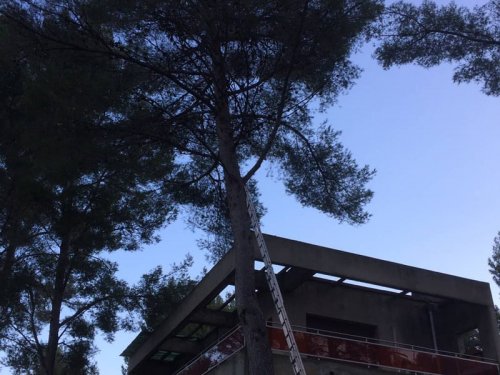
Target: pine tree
{"x":231,"y":83}
{"x":429,"y":34}
{"x":75,"y":184}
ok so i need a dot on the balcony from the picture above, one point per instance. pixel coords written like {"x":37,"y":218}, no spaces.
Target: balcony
{"x":369,"y":353}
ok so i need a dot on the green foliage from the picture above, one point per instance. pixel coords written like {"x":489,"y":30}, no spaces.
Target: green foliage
{"x":209,"y":212}
{"x":430,"y":34}
{"x":158,"y":294}
{"x":74,"y":183}
{"x":332,"y":170}
{"x":75,"y":360}
{"x":223,"y":86}
{"x":90,"y":307}
{"x":271,"y":75}
{"x":494,"y":261}
{"x":275,"y":57}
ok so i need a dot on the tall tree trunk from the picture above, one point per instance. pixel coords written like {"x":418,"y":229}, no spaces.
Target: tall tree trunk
{"x":5,"y":273}
{"x":57,"y":298}
{"x":12,"y":238}
{"x":10,"y":234}
{"x":7,"y":263}
{"x":249,"y":313}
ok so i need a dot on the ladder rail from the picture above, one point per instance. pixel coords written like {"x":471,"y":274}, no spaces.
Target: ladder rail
{"x":295,"y":358}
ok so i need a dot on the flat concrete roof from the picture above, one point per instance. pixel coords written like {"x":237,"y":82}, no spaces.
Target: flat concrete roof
{"x":375,"y":271}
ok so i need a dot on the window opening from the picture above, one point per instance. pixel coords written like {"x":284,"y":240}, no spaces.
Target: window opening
{"x":469,"y":343}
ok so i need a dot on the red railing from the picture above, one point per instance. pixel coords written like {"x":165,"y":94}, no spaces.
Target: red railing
{"x":230,"y":344}
{"x":354,"y":350}
{"x":381,"y":355}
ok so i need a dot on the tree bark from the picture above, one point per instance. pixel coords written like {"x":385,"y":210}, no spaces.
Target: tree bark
{"x":57,"y":299}
{"x":7,"y":263}
{"x":250,"y":315}
{"x":12,"y":237}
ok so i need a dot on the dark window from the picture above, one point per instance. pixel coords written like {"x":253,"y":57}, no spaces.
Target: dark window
{"x":316,"y":322}
{"x":469,"y":343}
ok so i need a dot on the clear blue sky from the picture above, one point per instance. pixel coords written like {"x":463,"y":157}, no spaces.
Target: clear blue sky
{"x":435,"y":146}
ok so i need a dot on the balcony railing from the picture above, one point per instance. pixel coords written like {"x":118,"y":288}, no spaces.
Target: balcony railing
{"x":226,"y":347}
{"x":361,"y":351}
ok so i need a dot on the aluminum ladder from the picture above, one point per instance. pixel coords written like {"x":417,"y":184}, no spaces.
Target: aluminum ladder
{"x":295,"y":359}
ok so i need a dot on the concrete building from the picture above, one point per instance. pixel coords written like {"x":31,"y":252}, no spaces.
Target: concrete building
{"x":351,"y":314}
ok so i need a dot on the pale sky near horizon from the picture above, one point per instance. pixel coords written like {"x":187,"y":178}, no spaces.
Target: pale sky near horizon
{"x":435,"y":146}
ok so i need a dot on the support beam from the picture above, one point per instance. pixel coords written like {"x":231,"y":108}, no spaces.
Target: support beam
{"x":293,"y":278}
{"x":205,"y":291}
{"x":213,"y":317}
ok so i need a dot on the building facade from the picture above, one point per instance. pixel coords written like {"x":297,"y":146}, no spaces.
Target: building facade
{"x":351,"y":314}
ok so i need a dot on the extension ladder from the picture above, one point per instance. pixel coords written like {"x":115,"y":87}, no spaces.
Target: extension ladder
{"x":295,"y":359}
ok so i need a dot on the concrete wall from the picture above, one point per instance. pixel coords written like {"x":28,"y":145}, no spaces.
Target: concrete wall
{"x":236,"y":366}
{"x":397,"y":318}
{"x":402,"y":319}
{"x":323,"y":367}
{"x":455,"y":318}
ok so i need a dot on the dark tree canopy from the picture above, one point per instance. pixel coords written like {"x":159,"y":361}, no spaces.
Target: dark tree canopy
{"x":274,"y":58}
{"x":227,"y":86}
{"x":74,"y":183}
{"x":157,"y":293}
{"x":277,"y":57}
{"x":494,"y":261}
{"x":429,"y":34}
